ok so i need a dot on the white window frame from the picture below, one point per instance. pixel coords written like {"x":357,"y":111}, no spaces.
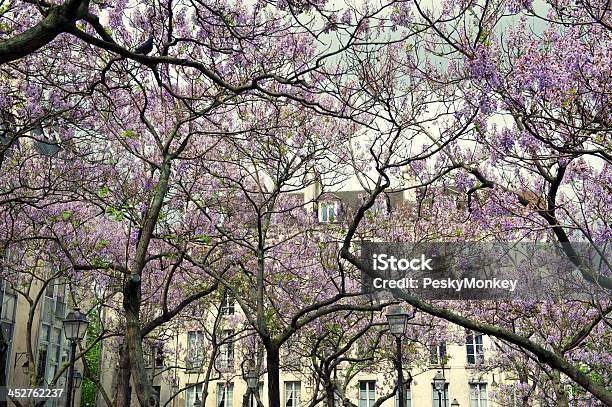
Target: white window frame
{"x":8,"y":307}
{"x":195,"y":349}
{"x":478,"y":395}
{"x":324,"y":211}
{"x":367,"y":393}
{"x":477,"y":346}
{"x":434,"y":396}
{"x":225,"y":394}
{"x":260,"y":390}
{"x":190,"y":393}
{"x":293,"y":393}
{"x":225,"y":358}
{"x":407,"y":396}
{"x":437,"y":353}
{"x":228,"y":303}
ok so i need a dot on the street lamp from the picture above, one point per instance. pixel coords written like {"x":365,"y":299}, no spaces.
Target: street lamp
{"x":397,"y":319}
{"x":252,"y":380}
{"x":439,"y":385}
{"x":455,"y":403}
{"x":75,"y":326}
{"x":197,"y":402}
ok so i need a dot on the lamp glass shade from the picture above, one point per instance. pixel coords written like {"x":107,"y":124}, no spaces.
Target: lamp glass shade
{"x":252,"y":379}
{"x":396,"y":318}
{"x":455,"y":403}
{"x":439,"y":381}
{"x":78,"y":379}
{"x":75,"y":325}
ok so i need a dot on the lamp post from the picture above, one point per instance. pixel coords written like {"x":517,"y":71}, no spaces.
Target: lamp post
{"x":397,"y":319}
{"x":439,"y":385}
{"x":252,"y":380}
{"x":75,"y":326}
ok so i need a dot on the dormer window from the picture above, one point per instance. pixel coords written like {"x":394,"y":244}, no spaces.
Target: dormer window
{"x":328,"y":211}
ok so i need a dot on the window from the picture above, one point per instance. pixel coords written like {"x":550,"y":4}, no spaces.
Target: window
{"x":41,"y":365}
{"x":328,"y":212}
{"x":192,"y":390}
{"x":473,"y":347}
{"x":225,"y":394}
{"x":225,"y":359}
{"x":195,"y":349}
{"x":437,"y":353}
{"x":260,"y":392}
{"x":8,"y":302}
{"x":437,"y":395}
{"x":159,"y":355}
{"x":367,"y":393}
{"x":478,"y":395}
{"x":228,"y":303}
{"x":157,"y":391}
{"x":153,"y":355}
{"x":381,"y":206}
{"x":54,"y":304}
{"x":407,"y":396}
{"x":292,"y":394}
{"x":51,"y":352}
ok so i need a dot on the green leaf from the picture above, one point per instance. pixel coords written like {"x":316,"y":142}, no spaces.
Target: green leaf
{"x":115,"y":214}
{"x":101,"y":244}
{"x":103,"y":193}
{"x":128,"y":134}
{"x":203,"y":239}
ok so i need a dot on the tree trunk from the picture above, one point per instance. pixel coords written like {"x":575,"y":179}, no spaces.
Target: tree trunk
{"x":329,"y":392}
{"x":123,"y":377}
{"x":273,"y":366}
{"x":133,"y":340}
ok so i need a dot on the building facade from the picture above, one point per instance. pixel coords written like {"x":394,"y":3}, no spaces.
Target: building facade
{"x":50,"y":348}
{"x":184,"y":373}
